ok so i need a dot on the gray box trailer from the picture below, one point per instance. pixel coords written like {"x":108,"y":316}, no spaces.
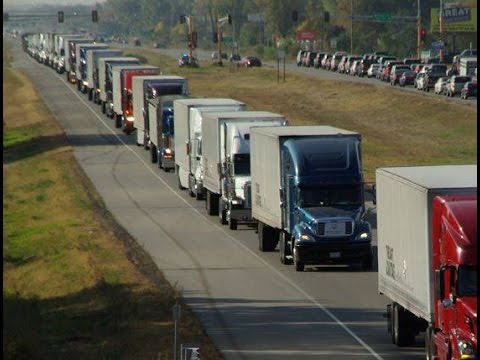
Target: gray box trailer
{"x":188,"y":122}
{"x":225,"y":150}
{"x":104,"y":78}
{"x":92,"y":80}
{"x":172,"y":85}
{"x":404,"y":223}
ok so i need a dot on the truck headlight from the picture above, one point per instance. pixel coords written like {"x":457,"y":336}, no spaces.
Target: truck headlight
{"x":466,"y":350}
{"x":85,"y":83}
{"x":130,"y":118}
{"x":364,"y":235}
{"x":237,"y":201}
{"x":305,"y":237}
{"x":168,"y":151}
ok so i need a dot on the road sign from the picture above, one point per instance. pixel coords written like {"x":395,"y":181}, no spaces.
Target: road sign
{"x":305,"y":35}
{"x":386,"y":17}
{"x":438,"y":45}
{"x":281,"y":53}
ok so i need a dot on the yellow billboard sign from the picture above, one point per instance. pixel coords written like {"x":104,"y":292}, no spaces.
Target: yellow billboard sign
{"x":461,"y":19}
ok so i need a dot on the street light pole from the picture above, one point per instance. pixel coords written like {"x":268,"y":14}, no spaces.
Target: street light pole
{"x":440,"y":21}
{"x":419,"y":29}
{"x":351,"y":27}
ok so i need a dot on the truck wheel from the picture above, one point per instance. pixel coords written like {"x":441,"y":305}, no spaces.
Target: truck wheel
{"x":284,"y":249}
{"x":145,"y":141}
{"x":212,"y":203}
{"x":153,"y":154}
{"x":104,"y":110}
{"x":118,"y":120}
{"x":222,"y":212}
{"x":90,"y":94}
{"x":430,"y":350}
{"x":232,"y":224}
{"x":403,"y":331}
{"x":265,"y":234}
{"x":299,"y":266}
{"x":178,"y":181}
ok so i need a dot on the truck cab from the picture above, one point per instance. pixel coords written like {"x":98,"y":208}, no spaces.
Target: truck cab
{"x":323,"y":198}
{"x":454,"y":329}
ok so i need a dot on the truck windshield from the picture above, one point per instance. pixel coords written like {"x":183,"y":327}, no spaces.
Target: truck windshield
{"x":241,"y":164}
{"x":467,"y":281}
{"x":321,"y":197}
{"x":167,"y":122}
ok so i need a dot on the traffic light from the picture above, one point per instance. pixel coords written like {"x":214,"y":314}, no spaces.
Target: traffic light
{"x":60,"y":16}
{"x":326,"y":16}
{"x":229,"y":19}
{"x":183,"y":19}
{"x":423,"y":36}
{"x":295,"y":15}
{"x":94,"y":16}
{"x":215,"y":37}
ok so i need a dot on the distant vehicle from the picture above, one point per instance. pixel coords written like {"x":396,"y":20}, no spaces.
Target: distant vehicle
{"x":419,"y":80}
{"x":373,"y":70}
{"x":363,"y":68}
{"x":215,"y":55}
{"x":249,"y":61}
{"x":455,"y":85}
{"x":430,"y":80}
{"x":355,"y":68}
{"x":469,"y":89}
{"x":410,"y":61}
{"x":334,"y":62}
{"x":407,"y":78}
{"x":317,"y":62}
{"x":325,"y":60}
{"x":235,"y":57}
{"x":137,"y":42}
{"x":309,"y":58}
{"x":186,"y":61}
{"x":380,"y":72}
{"x":419,"y":67}
{"x":300,"y":56}
{"x":464,"y":53}
{"x":439,"y":87}
{"x":467,"y":66}
{"x":396,"y":75}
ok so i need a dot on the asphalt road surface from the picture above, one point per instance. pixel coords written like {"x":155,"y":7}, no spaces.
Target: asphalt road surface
{"x":251,"y":305}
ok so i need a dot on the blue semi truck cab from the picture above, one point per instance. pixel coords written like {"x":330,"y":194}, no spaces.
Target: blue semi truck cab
{"x":308,"y":195}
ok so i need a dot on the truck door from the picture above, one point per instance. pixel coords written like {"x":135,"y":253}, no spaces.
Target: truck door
{"x":288,"y":189}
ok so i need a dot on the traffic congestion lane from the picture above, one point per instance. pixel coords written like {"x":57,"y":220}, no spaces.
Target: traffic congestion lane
{"x":251,"y":305}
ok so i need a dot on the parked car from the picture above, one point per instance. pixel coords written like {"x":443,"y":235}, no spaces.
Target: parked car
{"x":249,"y":61}
{"x":355,"y":68}
{"x":396,"y":74}
{"x":419,"y":80}
{"x":380,"y":72}
{"x":349,"y":63}
{"x":317,"y":62}
{"x":309,"y":58}
{"x":407,"y":78}
{"x":439,"y":87}
{"x":300,"y":56}
{"x":363,"y":68}
{"x":456,"y":84}
{"x":430,"y":80}
{"x":335,"y":62}
{"x":388,"y":69}
{"x":373,"y":70}
{"x":469,"y":89}
{"x":326,"y":58}
{"x":341,"y":64}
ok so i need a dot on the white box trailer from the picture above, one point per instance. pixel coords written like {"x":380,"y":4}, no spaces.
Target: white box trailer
{"x":468,"y":65}
{"x":92,"y":67}
{"x":266,"y":166}
{"x":70,"y":53}
{"x":188,"y":122}
{"x":122,"y":99}
{"x":172,"y":85}
{"x":59,"y":50}
{"x":81,"y":59}
{"x":102,"y":72}
{"x":404,"y":205}
{"x":225,"y":151}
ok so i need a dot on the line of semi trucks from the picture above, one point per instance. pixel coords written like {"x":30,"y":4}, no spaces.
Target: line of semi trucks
{"x":301,"y":188}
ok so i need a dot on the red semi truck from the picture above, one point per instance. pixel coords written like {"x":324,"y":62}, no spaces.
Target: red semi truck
{"x":122,"y":92}
{"x":427,"y":256}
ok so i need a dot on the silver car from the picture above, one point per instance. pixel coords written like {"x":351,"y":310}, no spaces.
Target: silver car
{"x":455,"y":85}
{"x":373,"y":70}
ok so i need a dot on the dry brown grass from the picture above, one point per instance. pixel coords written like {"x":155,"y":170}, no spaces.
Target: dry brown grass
{"x":76,"y":285}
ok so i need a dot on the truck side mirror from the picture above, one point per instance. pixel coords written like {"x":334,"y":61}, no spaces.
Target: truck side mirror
{"x":439,"y":290}
{"x":374,"y":194}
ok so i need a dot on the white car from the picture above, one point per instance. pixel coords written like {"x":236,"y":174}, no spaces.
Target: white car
{"x":373,"y":70}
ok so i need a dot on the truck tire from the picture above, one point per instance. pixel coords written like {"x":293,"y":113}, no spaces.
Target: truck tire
{"x":232,"y":224}
{"x":104,"y":107}
{"x":90,"y":94}
{"x":145,"y":141}
{"x":430,"y":350}
{"x":118,"y":121}
{"x":211,"y":203}
{"x":222,"y":212}
{"x":178,"y":180}
{"x":153,"y":154}
{"x":266,"y":241}
{"x":299,"y":266}
{"x":284,"y":249}
{"x":403,"y":331}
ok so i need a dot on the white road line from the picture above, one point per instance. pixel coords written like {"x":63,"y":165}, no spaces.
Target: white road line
{"x":278,"y":273}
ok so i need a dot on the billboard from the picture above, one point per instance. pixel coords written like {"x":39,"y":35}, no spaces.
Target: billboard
{"x":305,"y":35}
{"x":455,"y":19}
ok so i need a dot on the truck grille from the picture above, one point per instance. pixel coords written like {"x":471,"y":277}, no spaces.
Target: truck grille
{"x":335,"y":228}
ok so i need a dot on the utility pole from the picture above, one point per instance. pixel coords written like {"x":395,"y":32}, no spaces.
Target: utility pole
{"x":440,"y":22}
{"x":419,"y":29}
{"x":190,"y":37}
{"x":219,"y":42}
{"x":351,"y":27}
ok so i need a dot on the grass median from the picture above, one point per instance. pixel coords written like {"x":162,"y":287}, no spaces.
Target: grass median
{"x":398,"y":128}
{"x":75,"y":284}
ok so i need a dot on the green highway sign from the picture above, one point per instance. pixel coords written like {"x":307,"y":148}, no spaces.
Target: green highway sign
{"x":383,"y":17}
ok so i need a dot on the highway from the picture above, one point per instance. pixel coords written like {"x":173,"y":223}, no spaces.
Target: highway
{"x":253,"y":307}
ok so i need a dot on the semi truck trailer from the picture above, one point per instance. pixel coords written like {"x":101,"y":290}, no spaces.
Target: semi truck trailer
{"x":70,"y":56}
{"x":427,"y":256}
{"x":105,"y":76}
{"x":81,"y":64}
{"x":59,"y":50}
{"x":225,"y":149}
{"x":188,"y":126}
{"x":308,"y":195}
{"x":92,"y":84}
{"x":122,"y":105}
{"x":145,"y":88}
